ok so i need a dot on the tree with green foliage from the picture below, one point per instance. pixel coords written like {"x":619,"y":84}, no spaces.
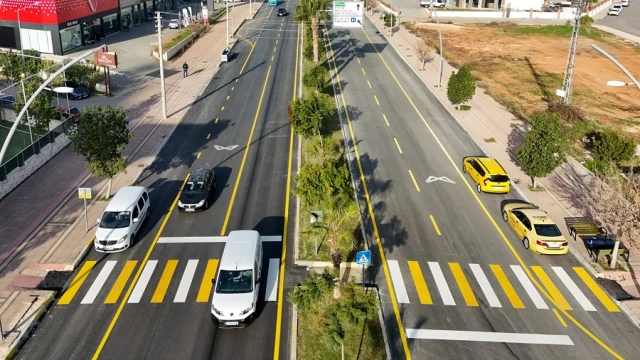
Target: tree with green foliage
{"x":100,"y":138}
{"x":41,"y":110}
{"x":315,"y":182}
{"x":543,"y":146}
{"x":313,"y":11}
{"x":11,"y":66}
{"x":312,"y":289}
{"x":307,"y":114}
{"x":461,"y":86}
{"x":316,"y":77}
{"x":338,"y":219}
{"x":610,"y":146}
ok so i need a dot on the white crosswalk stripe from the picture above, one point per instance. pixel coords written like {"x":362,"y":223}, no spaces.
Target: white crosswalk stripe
{"x":185,"y":282}
{"x":143,"y":281}
{"x":485,"y":286}
{"x":573,"y":289}
{"x":529,"y":287}
{"x":398,"y":282}
{"x":99,"y":282}
{"x":441,"y":284}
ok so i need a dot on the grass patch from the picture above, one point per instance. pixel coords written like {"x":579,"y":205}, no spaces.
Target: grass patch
{"x":490,"y":140}
{"x":464,"y":107}
{"x":177,"y":39}
{"x":604,"y":264}
{"x":21,"y":139}
{"x":556,"y":30}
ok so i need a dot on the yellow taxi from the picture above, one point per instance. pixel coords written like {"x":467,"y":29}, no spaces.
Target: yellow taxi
{"x":487,"y":173}
{"x":535,"y":228}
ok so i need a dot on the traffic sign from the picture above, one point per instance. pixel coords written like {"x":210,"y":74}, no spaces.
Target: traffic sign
{"x":348,"y":14}
{"x":84,"y":193}
{"x":363,"y":257}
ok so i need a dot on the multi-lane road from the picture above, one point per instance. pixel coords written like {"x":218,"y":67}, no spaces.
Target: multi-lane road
{"x":153,"y":300}
{"x":456,"y":281}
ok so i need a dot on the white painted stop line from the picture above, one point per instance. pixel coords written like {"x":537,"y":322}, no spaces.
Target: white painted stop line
{"x":486,"y":336}
{"x":208,"y":239}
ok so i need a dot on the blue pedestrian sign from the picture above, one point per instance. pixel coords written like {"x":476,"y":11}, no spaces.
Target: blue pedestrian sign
{"x":363,"y":257}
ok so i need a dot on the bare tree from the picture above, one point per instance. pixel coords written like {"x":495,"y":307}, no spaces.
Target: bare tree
{"x":424,"y":52}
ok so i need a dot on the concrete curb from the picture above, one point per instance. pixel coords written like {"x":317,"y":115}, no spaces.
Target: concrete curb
{"x":293,"y":347}
{"x":35,"y":320}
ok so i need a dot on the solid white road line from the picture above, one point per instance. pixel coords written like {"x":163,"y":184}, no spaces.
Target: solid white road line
{"x":573,"y":288}
{"x":271,"y":293}
{"x":529,"y":287}
{"x":99,"y":282}
{"x":485,"y":286}
{"x":185,"y":282}
{"x":481,"y":336}
{"x":208,"y":239}
{"x":398,"y":283}
{"x":143,"y":281}
{"x":441,"y":284}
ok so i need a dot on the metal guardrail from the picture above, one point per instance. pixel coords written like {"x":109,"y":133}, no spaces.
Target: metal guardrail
{"x":19,"y":159}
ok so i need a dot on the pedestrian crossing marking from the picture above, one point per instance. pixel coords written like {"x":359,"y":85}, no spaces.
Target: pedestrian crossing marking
{"x":463,"y":284}
{"x":77,"y":283}
{"x":595,"y":288}
{"x":529,"y":288}
{"x":120,"y":283}
{"x":206,"y":285}
{"x":485,"y":286}
{"x":573,"y":288}
{"x":99,"y":282}
{"x":507,"y":287}
{"x":553,"y":291}
{"x":185,"y":282}
{"x":421,"y":285}
{"x":165,"y":279}
{"x":143,"y":281}
{"x":398,"y":283}
{"x":441,"y":284}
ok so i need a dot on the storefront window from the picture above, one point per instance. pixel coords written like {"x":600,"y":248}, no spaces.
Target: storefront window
{"x":70,"y":38}
{"x":110,"y":24}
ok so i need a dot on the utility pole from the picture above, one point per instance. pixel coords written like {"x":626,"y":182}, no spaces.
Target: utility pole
{"x":160,"y":55}
{"x":227,"y":5}
{"x":567,"y":84}
{"x":440,"y":35}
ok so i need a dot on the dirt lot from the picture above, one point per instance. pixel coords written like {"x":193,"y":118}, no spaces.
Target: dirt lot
{"x":522,"y":66}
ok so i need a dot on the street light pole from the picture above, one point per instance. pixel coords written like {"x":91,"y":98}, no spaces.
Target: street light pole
{"x":160,"y":56}
{"x":440,"y":35}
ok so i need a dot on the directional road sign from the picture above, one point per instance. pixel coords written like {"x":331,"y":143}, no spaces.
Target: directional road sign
{"x":347,"y":14}
{"x":363,"y":257}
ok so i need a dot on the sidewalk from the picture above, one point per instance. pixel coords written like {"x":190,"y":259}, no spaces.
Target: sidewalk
{"x":488,"y":119}
{"x":45,"y":230}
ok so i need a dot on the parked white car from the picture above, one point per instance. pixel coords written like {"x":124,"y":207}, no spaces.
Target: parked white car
{"x":173,"y":24}
{"x":436,"y":3}
{"x":615,"y":10}
{"x":624,"y":3}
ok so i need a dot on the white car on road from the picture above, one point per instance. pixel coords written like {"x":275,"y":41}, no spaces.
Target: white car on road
{"x":624,"y":3}
{"x":173,"y":24}
{"x":615,"y":10}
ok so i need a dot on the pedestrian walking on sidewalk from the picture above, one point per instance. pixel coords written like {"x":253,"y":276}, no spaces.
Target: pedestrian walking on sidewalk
{"x":185,"y":70}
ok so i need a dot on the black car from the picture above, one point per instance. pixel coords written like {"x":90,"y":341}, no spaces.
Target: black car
{"x":79,"y":91}
{"x":197,"y":191}
{"x":282,"y":12}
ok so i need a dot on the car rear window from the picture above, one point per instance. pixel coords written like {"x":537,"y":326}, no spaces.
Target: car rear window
{"x":547,"y":230}
{"x":498,"y":178}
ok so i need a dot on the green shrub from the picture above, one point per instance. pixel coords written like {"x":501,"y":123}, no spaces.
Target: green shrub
{"x":609,"y":145}
{"x":388,"y":18}
{"x":586,"y":20}
{"x":316,"y":77}
{"x":601,"y":168}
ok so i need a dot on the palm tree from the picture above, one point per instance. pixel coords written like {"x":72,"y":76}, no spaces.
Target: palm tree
{"x":339,"y":212}
{"x":313,"y":11}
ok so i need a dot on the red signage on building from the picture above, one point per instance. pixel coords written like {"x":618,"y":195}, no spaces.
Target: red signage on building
{"x":52,"y":11}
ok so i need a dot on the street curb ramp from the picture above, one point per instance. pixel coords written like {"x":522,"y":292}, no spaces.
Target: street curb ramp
{"x":35,"y":320}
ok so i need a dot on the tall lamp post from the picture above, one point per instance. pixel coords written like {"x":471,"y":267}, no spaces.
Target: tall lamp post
{"x":440,"y":35}
{"x":24,"y":93}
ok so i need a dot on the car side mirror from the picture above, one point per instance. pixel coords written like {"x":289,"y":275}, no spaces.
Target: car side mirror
{"x":135,"y":220}
{"x":213,"y":281}
{"x":98,"y":221}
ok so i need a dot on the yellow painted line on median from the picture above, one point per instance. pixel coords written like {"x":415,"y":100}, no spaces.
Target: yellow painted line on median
{"x":414,"y":181}
{"x":163,"y":284}
{"x":377,"y":102}
{"x":398,"y":145}
{"x":206,"y":284}
{"x":463,"y":284}
{"x":272,"y":56}
{"x":246,"y":153}
{"x":222,"y":109}
{"x":559,"y":318}
{"x":228,"y":97}
{"x":383,"y":258}
{"x":274,"y":49}
{"x":198,"y":157}
{"x":421,"y":285}
{"x":209,"y":135}
{"x":77,"y":283}
{"x":359,"y":62}
{"x":595,"y":288}
{"x":96,"y":355}
{"x":385,"y":119}
{"x":283,"y":256}
{"x":435,"y":225}
{"x":370,"y":87}
{"x":363,"y":72}
{"x":488,"y":214}
{"x":117,"y":288}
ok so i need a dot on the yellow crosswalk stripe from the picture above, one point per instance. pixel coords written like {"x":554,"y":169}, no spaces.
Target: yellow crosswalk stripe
{"x":507,"y":287}
{"x":205,"y":286}
{"x":595,"y":288}
{"x":560,"y":301}
{"x":117,"y":288}
{"x":77,"y":283}
{"x":463,"y":284}
{"x":421,"y":285}
{"x":165,"y":279}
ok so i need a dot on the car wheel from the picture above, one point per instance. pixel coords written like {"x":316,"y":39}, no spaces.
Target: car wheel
{"x":206,"y":204}
{"x":479,"y":188}
{"x":464,"y":169}
{"x":525,"y":242}
{"x":505,"y":216}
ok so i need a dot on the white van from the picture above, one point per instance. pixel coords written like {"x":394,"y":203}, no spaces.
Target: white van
{"x":122,"y":219}
{"x":237,"y":284}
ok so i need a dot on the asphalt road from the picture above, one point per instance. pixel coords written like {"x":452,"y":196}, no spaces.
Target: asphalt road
{"x":445,"y":245}
{"x":254,"y":89}
{"x":627,"y":21}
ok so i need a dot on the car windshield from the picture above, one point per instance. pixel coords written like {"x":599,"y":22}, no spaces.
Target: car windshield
{"x":235,"y":281}
{"x":547,"y":230}
{"x":499,"y":178}
{"x":194,"y":187}
{"x":115,"y":219}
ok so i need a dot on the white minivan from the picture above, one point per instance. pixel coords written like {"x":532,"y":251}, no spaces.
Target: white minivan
{"x":122,"y":219}
{"x":237,"y":284}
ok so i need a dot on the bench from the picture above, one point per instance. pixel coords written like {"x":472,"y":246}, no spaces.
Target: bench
{"x":603,"y":245}
{"x":584,"y":226}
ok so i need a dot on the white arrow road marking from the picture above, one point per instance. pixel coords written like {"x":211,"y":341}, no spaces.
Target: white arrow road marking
{"x":218,"y":147}
{"x":431,"y":179}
